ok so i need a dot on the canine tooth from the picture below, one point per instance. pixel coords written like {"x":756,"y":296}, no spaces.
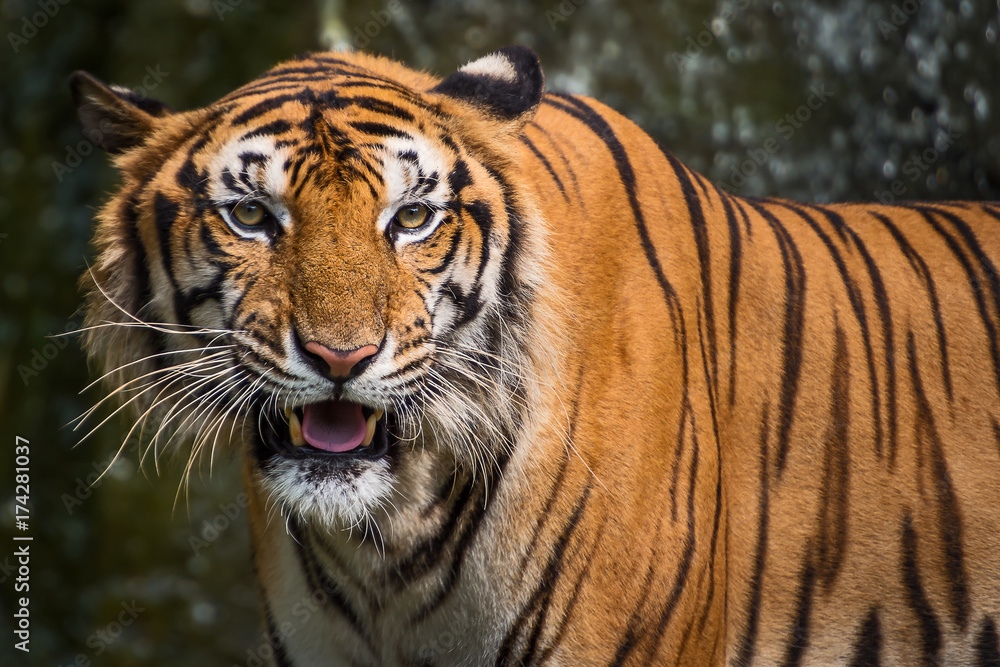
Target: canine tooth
{"x":295,"y":430}
{"x":288,"y":413}
{"x":378,"y":414}
{"x":369,"y":429}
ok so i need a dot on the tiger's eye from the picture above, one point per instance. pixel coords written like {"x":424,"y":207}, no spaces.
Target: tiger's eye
{"x":248,"y":213}
{"x":412,"y":216}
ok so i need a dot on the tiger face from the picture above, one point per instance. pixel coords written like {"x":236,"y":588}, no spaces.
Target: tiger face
{"x":333,"y":263}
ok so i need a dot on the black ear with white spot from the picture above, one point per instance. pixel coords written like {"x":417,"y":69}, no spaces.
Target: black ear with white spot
{"x":507,"y":84}
{"x":113,"y":117}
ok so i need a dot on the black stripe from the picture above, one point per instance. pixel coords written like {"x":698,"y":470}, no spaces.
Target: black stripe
{"x":949,"y":514}
{"x":482,"y":216}
{"x":540,"y":600}
{"x":835,"y":491}
{"x":379,"y":129}
{"x":869,"y":642}
{"x":738,"y":203}
{"x":449,"y":255}
{"x":921,"y":269}
{"x":468,"y":304}
{"x":411,"y":365}
{"x":885,"y":317}
{"x":311,"y":171}
{"x":703,"y":184}
{"x":976,"y":259}
{"x":511,"y":284}
{"x":589,"y":117}
{"x":199,"y":295}
{"x":546,"y":514}
{"x":689,"y":541}
{"x":141,"y":291}
{"x":379,"y":106}
{"x":858,"y":307}
{"x":375,"y":83}
{"x":459,"y":178}
{"x":987,"y":648}
{"x":799,"y":640}
{"x":320,"y":585}
{"x":570,"y":605}
{"x":565,"y":162}
{"x":996,"y":433}
{"x":266,"y":105}
{"x":244,"y":291}
{"x":707,"y":602}
{"x":213,"y":247}
{"x":748,"y":640}
{"x":429,"y":553}
{"x":990,"y":211}
{"x":165,"y":213}
{"x":269,"y":86}
{"x":545,"y":162}
{"x":791,"y":344}
{"x":930,"y":632}
{"x":697,"y":220}
{"x":274,"y":638}
{"x":735,"y":268}
{"x":675,"y":466}
{"x":479,"y":507}
{"x":270,"y":129}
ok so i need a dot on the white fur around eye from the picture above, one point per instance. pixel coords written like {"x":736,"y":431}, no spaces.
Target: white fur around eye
{"x":400,"y":174}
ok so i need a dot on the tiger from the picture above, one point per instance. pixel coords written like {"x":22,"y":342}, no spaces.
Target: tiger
{"x":511,"y":385}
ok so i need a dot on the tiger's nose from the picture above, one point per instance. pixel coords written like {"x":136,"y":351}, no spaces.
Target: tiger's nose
{"x":343,"y":363}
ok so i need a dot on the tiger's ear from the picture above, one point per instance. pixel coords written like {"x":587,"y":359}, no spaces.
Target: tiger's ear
{"x":506,"y":85}
{"x":113,"y":117}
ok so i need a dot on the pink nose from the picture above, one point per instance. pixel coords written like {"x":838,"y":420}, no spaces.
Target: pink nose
{"x":341,"y":362}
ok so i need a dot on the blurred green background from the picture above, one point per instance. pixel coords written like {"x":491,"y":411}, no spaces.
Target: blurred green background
{"x":861,"y":98}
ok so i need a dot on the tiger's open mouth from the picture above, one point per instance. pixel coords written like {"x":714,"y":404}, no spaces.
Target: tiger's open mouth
{"x":329,"y":428}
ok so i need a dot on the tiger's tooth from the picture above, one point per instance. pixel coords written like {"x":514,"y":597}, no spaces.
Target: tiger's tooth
{"x":288,"y":413}
{"x":295,"y":430}
{"x":378,"y":414}
{"x":370,"y":429}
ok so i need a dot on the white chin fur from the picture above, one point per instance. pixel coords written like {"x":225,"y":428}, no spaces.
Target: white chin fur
{"x":329,"y":498}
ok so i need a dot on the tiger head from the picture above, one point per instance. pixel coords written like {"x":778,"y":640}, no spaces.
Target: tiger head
{"x":333,"y":262}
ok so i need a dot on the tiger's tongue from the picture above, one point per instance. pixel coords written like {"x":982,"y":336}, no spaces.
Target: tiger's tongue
{"x":333,"y":426}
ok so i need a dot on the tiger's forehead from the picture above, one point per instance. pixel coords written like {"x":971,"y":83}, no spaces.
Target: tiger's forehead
{"x":283,"y":136}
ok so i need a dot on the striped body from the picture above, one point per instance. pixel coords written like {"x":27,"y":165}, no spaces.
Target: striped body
{"x":681,"y":427}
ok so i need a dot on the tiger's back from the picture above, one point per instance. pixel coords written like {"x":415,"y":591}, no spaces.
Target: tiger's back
{"x":724,"y":430}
